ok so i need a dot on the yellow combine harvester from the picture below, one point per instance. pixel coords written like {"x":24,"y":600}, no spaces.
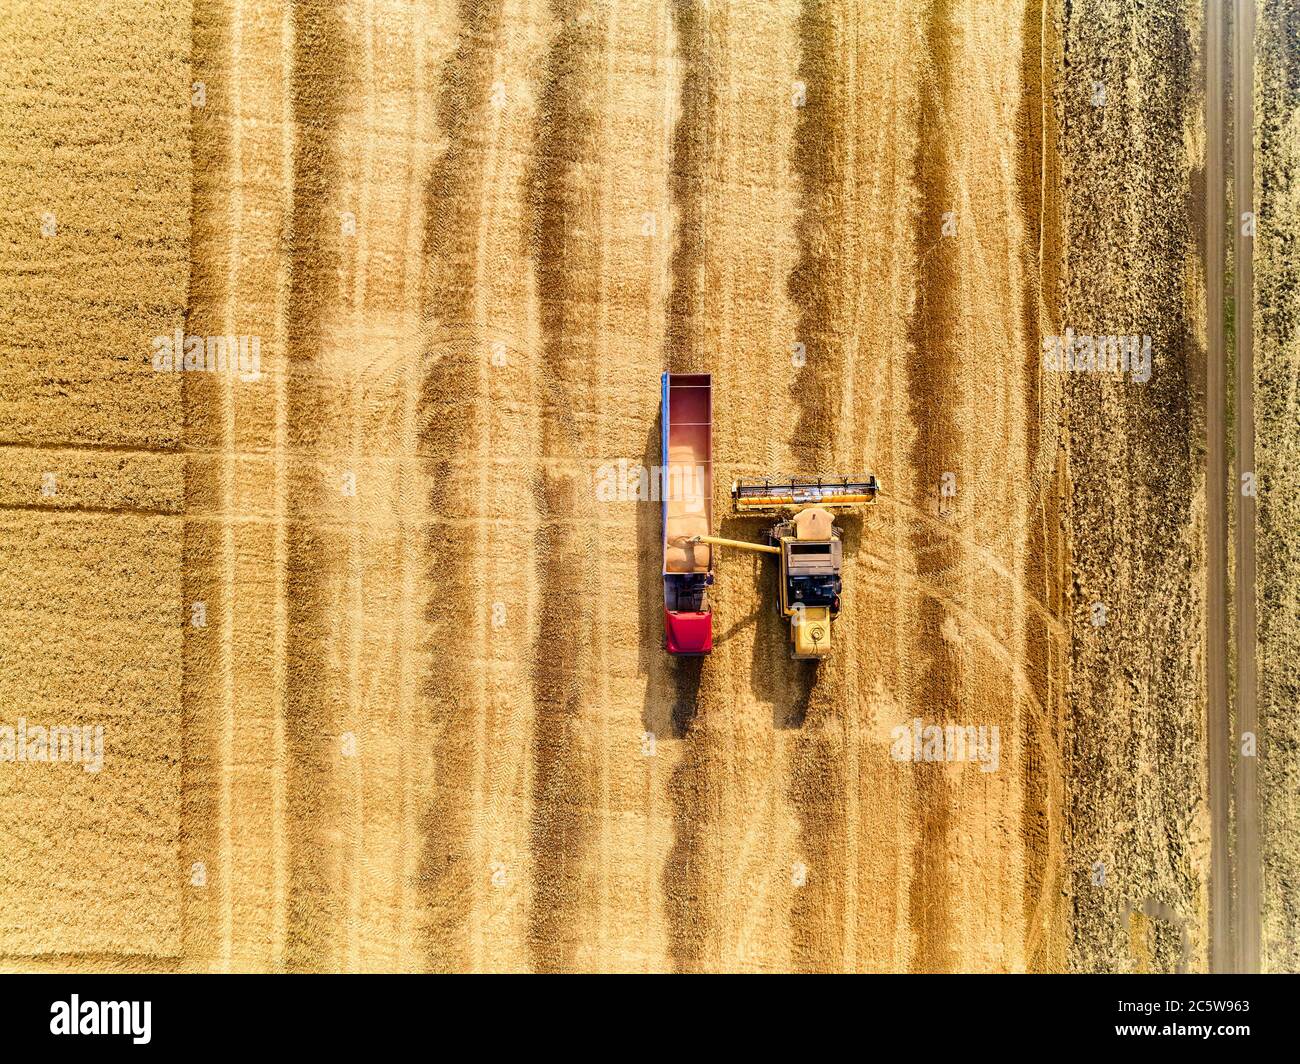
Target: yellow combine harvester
{"x":808,"y":544}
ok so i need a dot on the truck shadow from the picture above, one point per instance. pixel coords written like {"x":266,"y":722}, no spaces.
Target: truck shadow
{"x":672,"y":684}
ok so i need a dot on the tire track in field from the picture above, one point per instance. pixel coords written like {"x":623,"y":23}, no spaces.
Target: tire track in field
{"x":350,"y":596}
{"x":1042,"y":814}
{"x":318,"y":85}
{"x":454,"y":409}
{"x":240,"y":284}
{"x":566,"y":775}
{"x":935,"y":363}
{"x":1218,"y":716}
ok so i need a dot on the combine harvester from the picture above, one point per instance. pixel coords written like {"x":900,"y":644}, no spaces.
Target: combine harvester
{"x":806,"y":540}
{"x":809,"y":547}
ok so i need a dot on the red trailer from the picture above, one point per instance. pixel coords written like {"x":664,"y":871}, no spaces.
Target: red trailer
{"x":686,"y":490}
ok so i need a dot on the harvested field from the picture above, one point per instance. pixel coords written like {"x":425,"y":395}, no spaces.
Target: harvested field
{"x":1277,"y":413}
{"x":1139,"y":818}
{"x":379,"y":666}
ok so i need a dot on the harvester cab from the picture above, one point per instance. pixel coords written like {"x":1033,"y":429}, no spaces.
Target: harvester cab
{"x":809,"y":547}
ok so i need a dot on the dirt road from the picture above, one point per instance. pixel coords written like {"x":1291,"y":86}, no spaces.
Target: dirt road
{"x":1246,"y":576}
{"x":1234,"y":721}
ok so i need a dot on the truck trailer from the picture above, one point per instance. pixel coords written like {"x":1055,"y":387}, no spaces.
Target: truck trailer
{"x":686,"y":491}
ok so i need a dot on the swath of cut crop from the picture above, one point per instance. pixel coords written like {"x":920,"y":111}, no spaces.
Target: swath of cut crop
{"x":934,"y":367}
{"x":570,"y":548}
{"x":319,"y":81}
{"x":453,"y":418}
{"x":823,"y":286}
{"x":690,"y":927}
{"x":205,"y":828}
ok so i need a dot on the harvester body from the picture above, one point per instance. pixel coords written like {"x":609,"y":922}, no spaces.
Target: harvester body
{"x":811,"y":556}
{"x":686,"y":491}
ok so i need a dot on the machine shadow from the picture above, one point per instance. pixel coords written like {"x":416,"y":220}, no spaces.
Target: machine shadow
{"x":774,"y":677}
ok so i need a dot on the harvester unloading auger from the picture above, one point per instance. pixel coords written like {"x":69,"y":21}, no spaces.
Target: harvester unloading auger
{"x":806,"y":540}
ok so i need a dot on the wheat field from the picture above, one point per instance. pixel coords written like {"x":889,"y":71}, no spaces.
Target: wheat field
{"x":321,"y":322}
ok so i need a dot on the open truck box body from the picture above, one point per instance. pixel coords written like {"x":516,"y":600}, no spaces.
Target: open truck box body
{"x":686,"y":491}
